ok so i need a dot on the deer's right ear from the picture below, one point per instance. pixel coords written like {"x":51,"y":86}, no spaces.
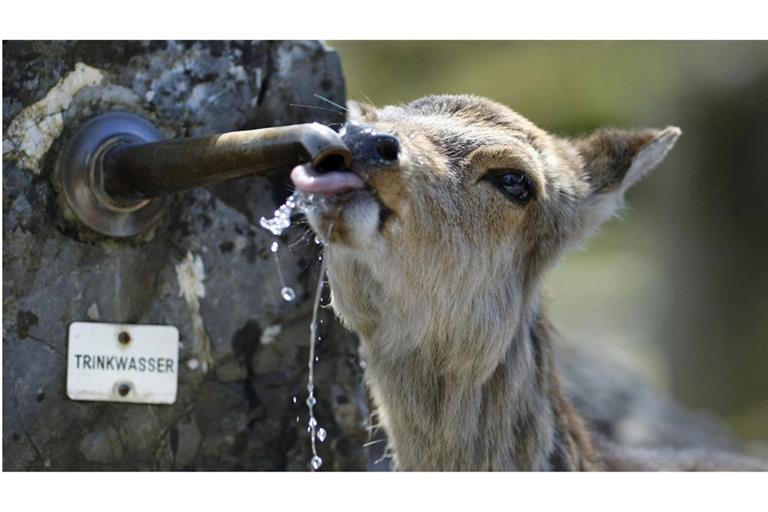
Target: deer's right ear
{"x":614,"y":160}
{"x":363,"y":112}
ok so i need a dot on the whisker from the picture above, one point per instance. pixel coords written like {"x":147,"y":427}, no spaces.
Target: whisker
{"x":316,"y":108}
{"x":329,"y":101}
{"x":300,"y":240}
{"x":368,"y":99}
{"x":387,"y":455}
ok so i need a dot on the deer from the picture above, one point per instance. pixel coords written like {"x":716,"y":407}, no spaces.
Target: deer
{"x":439,"y":235}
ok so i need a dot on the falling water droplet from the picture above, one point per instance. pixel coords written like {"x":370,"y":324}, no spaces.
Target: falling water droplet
{"x":288,"y":293}
{"x":294,"y":400}
{"x":311,"y":401}
{"x":316,"y":462}
{"x":321,"y":433}
{"x":312,"y":421}
{"x":317,"y":240}
{"x":273,"y":247}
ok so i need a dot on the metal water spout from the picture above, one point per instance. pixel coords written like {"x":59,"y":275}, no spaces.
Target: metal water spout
{"x":116,"y":172}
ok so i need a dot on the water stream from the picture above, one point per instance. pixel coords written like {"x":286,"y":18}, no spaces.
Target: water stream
{"x":315,"y":432}
{"x":276,"y":225}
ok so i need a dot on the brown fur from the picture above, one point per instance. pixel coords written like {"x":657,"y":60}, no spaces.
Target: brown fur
{"x":439,"y":273}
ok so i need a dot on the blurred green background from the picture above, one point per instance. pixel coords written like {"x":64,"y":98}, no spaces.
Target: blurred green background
{"x":677,"y":291}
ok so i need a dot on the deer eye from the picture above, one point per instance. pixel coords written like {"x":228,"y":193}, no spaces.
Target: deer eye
{"x":516,"y":185}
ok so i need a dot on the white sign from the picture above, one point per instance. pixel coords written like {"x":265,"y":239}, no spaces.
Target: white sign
{"x":123,"y":363}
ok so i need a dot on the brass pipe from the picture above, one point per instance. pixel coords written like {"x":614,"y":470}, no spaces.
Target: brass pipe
{"x":116,"y":171}
{"x":133,"y":172}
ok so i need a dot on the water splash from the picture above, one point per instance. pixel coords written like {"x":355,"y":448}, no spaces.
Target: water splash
{"x":281,"y":219}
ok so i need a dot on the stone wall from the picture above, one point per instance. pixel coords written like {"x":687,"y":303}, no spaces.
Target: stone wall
{"x":205,"y":269}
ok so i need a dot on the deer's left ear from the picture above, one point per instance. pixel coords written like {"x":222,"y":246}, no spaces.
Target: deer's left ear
{"x":614,"y":160}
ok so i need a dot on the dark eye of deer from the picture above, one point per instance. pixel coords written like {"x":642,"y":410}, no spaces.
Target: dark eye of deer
{"x":516,"y":185}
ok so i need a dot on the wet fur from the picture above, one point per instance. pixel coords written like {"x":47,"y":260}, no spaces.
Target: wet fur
{"x":444,"y":290}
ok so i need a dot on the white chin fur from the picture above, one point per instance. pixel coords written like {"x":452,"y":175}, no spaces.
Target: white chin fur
{"x":360,"y":216}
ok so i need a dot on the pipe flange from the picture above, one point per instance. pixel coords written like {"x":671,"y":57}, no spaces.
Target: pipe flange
{"x":80,"y":171}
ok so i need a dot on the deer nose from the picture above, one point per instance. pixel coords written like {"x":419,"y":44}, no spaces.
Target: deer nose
{"x":370,"y":146}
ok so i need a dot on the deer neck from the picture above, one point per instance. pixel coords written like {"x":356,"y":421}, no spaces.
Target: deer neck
{"x":510,"y":415}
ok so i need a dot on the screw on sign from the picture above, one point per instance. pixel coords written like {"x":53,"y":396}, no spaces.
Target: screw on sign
{"x":123,"y":389}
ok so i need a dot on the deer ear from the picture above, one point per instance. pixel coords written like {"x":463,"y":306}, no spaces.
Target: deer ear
{"x":614,"y":160}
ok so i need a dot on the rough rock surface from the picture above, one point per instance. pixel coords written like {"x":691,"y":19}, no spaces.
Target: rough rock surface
{"x":205,"y":269}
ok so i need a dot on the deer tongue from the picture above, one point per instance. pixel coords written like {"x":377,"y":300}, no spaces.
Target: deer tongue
{"x":308,"y":180}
